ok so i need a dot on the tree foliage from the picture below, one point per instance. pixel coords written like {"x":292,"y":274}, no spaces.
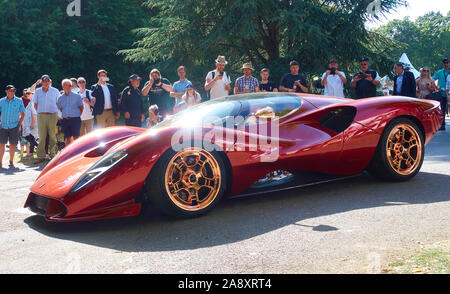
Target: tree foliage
{"x":426,"y":40}
{"x":38,"y":37}
{"x":269,"y":33}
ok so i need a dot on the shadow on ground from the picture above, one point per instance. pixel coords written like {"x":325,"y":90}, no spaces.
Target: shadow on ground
{"x":239,"y":219}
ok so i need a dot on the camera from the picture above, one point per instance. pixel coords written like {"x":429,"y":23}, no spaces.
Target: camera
{"x":156,"y":81}
{"x":362,"y":75}
{"x":333,"y":70}
{"x":221,"y":73}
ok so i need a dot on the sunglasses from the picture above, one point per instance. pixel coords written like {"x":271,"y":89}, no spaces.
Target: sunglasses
{"x":425,"y":70}
{"x":363,"y":64}
{"x":81,"y":82}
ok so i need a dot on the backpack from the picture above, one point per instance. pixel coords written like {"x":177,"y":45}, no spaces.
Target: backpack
{"x":213,"y":75}
{"x":88,"y":96}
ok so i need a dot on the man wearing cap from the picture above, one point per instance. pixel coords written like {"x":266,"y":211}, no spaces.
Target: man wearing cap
{"x":71,"y":107}
{"x":106,"y":108}
{"x":218,"y":82}
{"x":441,"y":76}
{"x":366,"y":81}
{"x":247,"y":83}
{"x":12,"y":114}
{"x":294,"y":81}
{"x":131,"y":103}
{"x":334,"y":80}
{"x":87,"y":119}
{"x":404,"y":82}
{"x":44,"y":100}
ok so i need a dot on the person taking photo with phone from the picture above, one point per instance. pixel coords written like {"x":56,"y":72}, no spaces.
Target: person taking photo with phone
{"x":218,"y":82}
{"x":334,"y":80}
{"x":366,"y":81}
{"x":106,"y":108}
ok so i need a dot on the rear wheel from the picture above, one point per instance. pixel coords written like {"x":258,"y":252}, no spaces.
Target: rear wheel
{"x":187,"y":183}
{"x":400,"y":152}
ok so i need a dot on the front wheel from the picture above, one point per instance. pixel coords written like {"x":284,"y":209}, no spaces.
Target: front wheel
{"x":187,"y":183}
{"x":400,"y":152}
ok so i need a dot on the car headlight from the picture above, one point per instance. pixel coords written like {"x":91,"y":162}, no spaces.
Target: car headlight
{"x":98,"y":169}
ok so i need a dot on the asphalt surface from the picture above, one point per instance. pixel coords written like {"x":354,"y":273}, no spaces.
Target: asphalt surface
{"x":352,"y":226}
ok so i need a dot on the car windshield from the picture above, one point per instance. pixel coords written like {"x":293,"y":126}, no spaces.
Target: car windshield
{"x":218,"y":111}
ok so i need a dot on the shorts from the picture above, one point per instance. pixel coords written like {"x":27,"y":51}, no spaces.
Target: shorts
{"x":71,"y":127}
{"x":11,"y":135}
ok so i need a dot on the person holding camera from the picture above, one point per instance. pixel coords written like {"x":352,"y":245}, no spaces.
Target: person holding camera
{"x":294,"y":81}
{"x":218,"y":82}
{"x":158,"y":90}
{"x":366,"y":81}
{"x":334,"y":80}
{"x":106,"y":107}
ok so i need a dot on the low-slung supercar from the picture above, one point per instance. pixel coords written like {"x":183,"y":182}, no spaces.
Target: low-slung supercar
{"x":238,"y":145}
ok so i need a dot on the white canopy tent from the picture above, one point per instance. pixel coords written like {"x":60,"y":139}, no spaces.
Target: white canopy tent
{"x":405,"y":60}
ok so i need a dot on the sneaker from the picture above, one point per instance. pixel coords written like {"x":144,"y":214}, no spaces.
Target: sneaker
{"x":11,"y":164}
{"x":442,"y":128}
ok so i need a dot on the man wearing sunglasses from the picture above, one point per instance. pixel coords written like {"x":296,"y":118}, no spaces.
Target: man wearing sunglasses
{"x":441,"y":76}
{"x":366,"y":81}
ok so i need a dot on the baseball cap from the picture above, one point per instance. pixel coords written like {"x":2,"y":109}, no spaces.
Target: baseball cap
{"x":445,"y":59}
{"x":45,"y":77}
{"x":293,"y":62}
{"x":9,"y":87}
{"x":364,"y":59}
{"x":134,"y":77}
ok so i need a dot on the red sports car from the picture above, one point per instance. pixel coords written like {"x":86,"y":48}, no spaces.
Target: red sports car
{"x":239,"y":145}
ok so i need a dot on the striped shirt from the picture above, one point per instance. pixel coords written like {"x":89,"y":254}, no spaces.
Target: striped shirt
{"x":10,"y":112}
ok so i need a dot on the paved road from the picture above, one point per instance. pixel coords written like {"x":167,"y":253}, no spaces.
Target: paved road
{"x":353,"y":226}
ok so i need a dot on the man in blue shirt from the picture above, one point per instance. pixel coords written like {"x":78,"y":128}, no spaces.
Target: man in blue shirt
{"x":44,"y":101}
{"x":179,"y":87}
{"x":12,"y":114}
{"x":71,"y":107}
{"x":441,"y":76}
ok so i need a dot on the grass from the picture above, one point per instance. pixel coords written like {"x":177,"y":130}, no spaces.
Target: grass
{"x":434,"y":259}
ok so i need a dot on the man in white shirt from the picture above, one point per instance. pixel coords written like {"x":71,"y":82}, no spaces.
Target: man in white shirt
{"x":334,"y":80}
{"x":87,"y":119}
{"x":106,"y":108}
{"x":218,"y":82}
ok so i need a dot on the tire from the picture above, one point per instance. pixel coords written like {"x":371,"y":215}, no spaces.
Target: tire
{"x":400,"y":152}
{"x":188,"y":183}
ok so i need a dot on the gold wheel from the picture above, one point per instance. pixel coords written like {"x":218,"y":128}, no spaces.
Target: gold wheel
{"x":193,"y":179}
{"x":404,"y":149}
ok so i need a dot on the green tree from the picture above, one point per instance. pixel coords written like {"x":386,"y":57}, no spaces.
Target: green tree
{"x":426,"y":40}
{"x":38,"y":37}
{"x":269,"y":33}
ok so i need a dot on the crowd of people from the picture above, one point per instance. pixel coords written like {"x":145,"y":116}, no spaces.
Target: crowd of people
{"x":34,"y":118}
